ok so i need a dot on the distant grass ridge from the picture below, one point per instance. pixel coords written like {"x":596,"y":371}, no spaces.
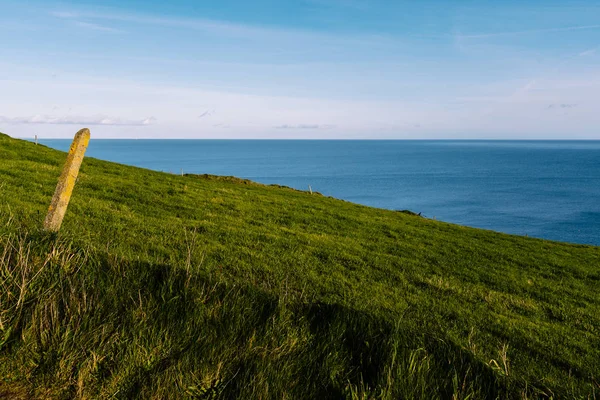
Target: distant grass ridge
{"x":162,"y":286}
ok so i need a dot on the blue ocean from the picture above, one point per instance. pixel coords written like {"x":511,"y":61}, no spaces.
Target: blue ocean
{"x":544,"y":189}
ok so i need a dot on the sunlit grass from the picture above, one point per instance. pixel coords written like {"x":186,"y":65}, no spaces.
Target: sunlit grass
{"x":162,"y":286}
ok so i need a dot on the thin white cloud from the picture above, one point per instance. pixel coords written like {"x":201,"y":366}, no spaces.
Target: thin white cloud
{"x":588,"y":52}
{"x":219,"y":27}
{"x":83,"y":24}
{"x":526,"y":32}
{"x":186,"y":23}
{"x":64,"y":14}
{"x":97,"y":27}
{"x":74,"y":120}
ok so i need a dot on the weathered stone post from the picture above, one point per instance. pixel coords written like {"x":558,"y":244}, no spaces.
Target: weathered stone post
{"x":66,"y":182}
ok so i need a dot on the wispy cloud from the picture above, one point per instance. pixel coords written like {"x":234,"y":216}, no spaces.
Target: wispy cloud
{"x":186,"y":23}
{"x":77,"y":20}
{"x":588,"y":52}
{"x":64,"y":14}
{"x":217,"y":27}
{"x":526,"y":32}
{"x":74,"y":120}
{"x":97,"y":27}
{"x":304,"y":126}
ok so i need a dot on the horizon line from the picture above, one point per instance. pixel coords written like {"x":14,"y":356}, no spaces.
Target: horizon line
{"x":326,"y":139}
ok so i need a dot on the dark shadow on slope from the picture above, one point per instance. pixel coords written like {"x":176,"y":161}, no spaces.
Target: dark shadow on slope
{"x":98,"y":324}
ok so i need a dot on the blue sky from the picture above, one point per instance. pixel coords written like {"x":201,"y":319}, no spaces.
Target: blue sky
{"x":301,"y":69}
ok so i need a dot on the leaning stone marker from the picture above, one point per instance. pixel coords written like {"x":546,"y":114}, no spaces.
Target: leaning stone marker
{"x":66,"y":182}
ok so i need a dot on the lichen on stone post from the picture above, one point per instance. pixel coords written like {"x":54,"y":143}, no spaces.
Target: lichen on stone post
{"x":66,"y":182}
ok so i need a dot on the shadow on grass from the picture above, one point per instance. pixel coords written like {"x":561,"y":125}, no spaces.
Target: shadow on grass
{"x":82,"y":324}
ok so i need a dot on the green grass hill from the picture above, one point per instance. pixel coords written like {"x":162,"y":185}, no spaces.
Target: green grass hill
{"x":162,"y":286}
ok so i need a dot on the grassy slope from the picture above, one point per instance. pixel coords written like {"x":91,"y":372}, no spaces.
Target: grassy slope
{"x":161,"y":284}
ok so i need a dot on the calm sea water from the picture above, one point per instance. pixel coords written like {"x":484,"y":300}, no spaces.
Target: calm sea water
{"x":546,"y":189}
